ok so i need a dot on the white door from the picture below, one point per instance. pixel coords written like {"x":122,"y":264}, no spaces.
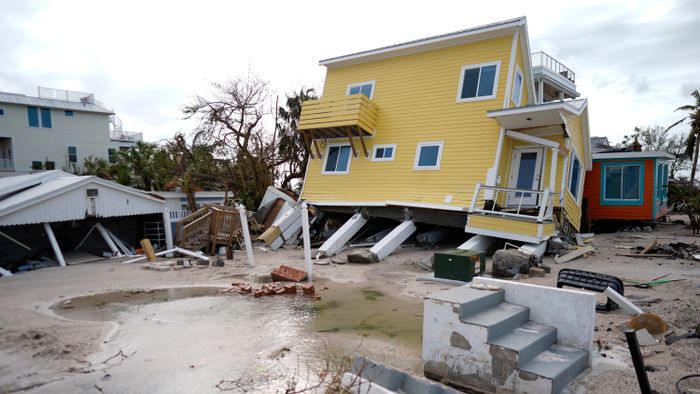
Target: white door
{"x":525,"y":173}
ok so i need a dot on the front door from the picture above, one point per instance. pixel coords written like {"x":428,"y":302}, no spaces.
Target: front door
{"x":525,"y":173}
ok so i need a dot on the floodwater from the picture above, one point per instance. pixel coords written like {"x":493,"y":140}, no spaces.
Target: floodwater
{"x":187,"y":340}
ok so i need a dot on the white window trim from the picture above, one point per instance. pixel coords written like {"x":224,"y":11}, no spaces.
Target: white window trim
{"x":581,"y":176}
{"x":640,"y":179}
{"x":325,"y":159}
{"x":478,"y":98}
{"x":377,"y":146}
{"x":353,"y":85}
{"x":436,"y":167}
{"x":522,"y":81}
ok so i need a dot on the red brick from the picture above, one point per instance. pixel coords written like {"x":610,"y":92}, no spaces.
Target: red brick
{"x":288,"y":274}
{"x":308,"y":289}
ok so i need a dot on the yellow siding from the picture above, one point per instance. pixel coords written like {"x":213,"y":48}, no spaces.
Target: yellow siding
{"x":506,"y":225}
{"x":573,"y":211}
{"x":416,"y":95}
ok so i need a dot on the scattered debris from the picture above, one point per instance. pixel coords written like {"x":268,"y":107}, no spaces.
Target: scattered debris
{"x":649,"y":321}
{"x":362,"y":256}
{"x":285,"y":273}
{"x":270,"y":289}
{"x":591,"y":281}
{"x":692,"y":334}
{"x":645,"y":339}
{"x":649,"y":247}
{"x":537,"y":272}
{"x":574,"y":255}
{"x":148,"y":249}
{"x":484,"y":286}
{"x":509,"y":262}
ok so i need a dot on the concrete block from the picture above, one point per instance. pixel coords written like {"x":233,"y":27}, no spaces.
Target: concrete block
{"x":394,"y":239}
{"x":343,"y":235}
{"x":509,"y":262}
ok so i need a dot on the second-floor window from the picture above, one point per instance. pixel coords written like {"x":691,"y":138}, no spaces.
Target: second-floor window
{"x":69,"y":113}
{"x":517,"y":94}
{"x":112,"y":155}
{"x":39,"y":117}
{"x":428,"y":155}
{"x":366,"y":88}
{"x":383,"y":152}
{"x":72,"y":154}
{"x":478,"y":82}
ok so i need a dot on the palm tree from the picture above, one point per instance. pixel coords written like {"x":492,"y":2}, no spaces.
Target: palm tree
{"x":693,"y":142}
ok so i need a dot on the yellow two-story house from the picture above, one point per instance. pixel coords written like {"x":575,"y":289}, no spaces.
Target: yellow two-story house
{"x":465,"y":129}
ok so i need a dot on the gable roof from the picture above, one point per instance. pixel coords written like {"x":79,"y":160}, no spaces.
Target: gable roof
{"x":429,"y":43}
{"x":35,"y":198}
{"x":21,"y":99}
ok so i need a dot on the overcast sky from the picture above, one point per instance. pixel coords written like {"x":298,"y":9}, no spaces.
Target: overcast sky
{"x":636,"y":61}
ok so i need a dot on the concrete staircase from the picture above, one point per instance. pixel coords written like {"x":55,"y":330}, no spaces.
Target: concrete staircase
{"x":493,"y":345}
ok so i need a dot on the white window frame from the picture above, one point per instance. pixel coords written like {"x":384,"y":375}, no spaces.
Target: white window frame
{"x":325,"y":159}
{"x":440,"y":144}
{"x":354,"y":85}
{"x":522,"y":82}
{"x":493,"y":94}
{"x":581,"y":176}
{"x":377,"y":146}
{"x":77,"y":158}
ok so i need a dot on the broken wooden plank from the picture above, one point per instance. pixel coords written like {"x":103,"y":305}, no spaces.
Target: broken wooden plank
{"x":623,"y":302}
{"x":148,"y":249}
{"x":660,"y":255}
{"x":651,"y":245}
{"x":579,"y":240}
{"x":573,"y":255}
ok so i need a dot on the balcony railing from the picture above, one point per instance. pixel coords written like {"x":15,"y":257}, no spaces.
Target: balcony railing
{"x":541,"y":59}
{"x":354,"y":115}
{"x":178,"y":214}
{"x":125,"y":136}
{"x":543,"y":210}
{"x":7,"y":165}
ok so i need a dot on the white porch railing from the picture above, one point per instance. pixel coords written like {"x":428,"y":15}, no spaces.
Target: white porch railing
{"x":545,"y":207}
{"x":7,"y":164}
{"x":178,"y":214}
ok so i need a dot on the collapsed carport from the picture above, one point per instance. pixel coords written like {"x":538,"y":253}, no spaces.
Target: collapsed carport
{"x":59,"y":211}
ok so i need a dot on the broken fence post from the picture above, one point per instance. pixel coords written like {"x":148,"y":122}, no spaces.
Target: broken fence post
{"x":54,"y":245}
{"x":246,"y":234}
{"x":307,"y":240}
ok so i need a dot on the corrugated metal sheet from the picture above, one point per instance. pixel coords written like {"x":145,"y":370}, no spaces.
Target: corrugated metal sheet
{"x":65,"y":197}
{"x":20,"y":99}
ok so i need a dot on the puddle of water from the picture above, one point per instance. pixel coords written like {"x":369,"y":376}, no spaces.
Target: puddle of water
{"x":369,"y":311}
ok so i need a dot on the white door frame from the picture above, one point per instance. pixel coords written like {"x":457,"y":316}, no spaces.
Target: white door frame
{"x":513,"y":198}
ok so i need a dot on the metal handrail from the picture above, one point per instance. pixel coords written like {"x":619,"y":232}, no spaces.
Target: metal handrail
{"x":546,"y":206}
{"x":544,"y":60}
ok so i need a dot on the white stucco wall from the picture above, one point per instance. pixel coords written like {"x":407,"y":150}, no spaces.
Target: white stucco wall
{"x":88,"y":131}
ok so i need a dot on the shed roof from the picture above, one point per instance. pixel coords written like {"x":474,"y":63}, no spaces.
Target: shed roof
{"x":54,"y":196}
{"x":21,"y":99}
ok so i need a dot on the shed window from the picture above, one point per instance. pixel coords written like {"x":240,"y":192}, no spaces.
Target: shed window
{"x":2,"y":112}
{"x":478,"y":82}
{"x":383,"y":152}
{"x":428,"y":156}
{"x":50,"y":165}
{"x":37,"y":165}
{"x":366,"y":88}
{"x":622,"y":182}
{"x":337,"y":159}
{"x":72,"y":154}
{"x":661,"y":181}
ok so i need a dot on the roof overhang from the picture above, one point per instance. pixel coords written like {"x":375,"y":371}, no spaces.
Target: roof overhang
{"x":499,"y":29}
{"x":633,"y":155}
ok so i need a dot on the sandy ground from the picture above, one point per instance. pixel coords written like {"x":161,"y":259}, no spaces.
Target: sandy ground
{"x":38,"y":347}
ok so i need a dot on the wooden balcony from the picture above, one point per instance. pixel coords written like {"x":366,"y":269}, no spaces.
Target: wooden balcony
{"x":352,"y":117}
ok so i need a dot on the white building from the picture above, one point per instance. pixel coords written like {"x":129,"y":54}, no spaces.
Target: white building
{"x":57,"y":129}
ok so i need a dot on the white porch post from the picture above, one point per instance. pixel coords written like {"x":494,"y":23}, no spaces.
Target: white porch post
{"x":553,"y":170}
{"x":54,"y":245}
{"x":168,"y":229}
{"x":246,"y":234}
{"x":307,"y":240}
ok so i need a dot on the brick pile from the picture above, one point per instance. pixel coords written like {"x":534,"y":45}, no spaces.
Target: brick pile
{"x":270,"y":289}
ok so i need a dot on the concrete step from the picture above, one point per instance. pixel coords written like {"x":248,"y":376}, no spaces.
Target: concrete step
{"x":500,"y":319}
{"x":561,"y":364}
{"x":470,"y":300}
{"x":528,"y":340}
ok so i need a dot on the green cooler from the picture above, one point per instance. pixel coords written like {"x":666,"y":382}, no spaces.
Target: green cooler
{"x":459,"y":264}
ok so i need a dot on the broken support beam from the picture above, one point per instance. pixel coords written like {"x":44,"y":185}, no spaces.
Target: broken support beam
{"x":108,"y":240}
{"x":342,"y":236}
{"x":394,"y":239}
{"x":15,"y":241}
{"x":5,"y":272}
{"x":54,"y":244}
{"x":246,"y":234}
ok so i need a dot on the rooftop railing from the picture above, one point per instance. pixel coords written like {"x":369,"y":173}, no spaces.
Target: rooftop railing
{"x":543,"y":60}
{"x":126,"y":136}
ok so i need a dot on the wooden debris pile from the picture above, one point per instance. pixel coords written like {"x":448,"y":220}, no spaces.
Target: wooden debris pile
{"x":271,"y":289}
{"x":679,"y":250}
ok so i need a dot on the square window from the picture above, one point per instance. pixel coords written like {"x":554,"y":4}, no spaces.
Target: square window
{"x":37,"y":165}
{"x":337,"y":159}
{"x":112,"y":155}
{"x":428,"y":156}
{"x":517,"y":93}
{"x":478,"y":82}
{"x":39,"y":117}
{"x":50,"y":165}
{"x":69,"y":113}
{"x":384,"y":152}
{"x":366,"y":88}
{"x":622,"y":183}
{"x":72,"y":154}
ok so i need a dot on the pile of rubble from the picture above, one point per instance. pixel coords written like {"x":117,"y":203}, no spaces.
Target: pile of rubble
{"x":679,"y":250}
{"x":270,"y":289}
